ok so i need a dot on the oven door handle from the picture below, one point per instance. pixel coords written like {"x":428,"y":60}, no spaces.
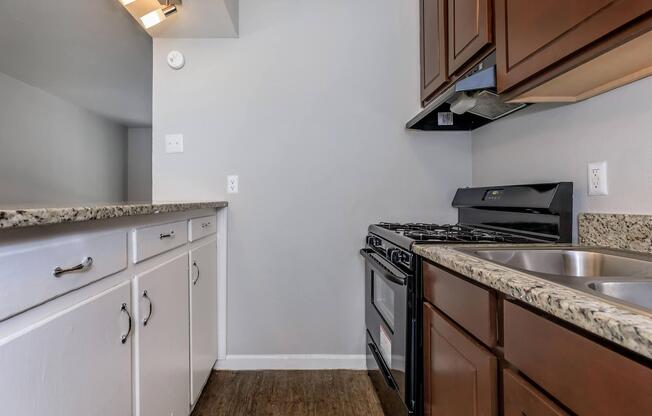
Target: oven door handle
{"x":383,"y":367}
{"x":370,"y":256}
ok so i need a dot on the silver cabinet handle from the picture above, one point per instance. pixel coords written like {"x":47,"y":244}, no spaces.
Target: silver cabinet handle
{"x":195,"y":280}
{"x":81,"y":267}
{"x":124,"y":337}
{"x":168,"y":235}
{"x":151,"y":306}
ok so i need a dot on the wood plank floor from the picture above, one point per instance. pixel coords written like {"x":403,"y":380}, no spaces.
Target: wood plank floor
{"x":289,"y":393}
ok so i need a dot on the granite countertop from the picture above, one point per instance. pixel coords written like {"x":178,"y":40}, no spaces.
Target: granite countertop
{"x":619,"y":324}
{"x":29,"y":216}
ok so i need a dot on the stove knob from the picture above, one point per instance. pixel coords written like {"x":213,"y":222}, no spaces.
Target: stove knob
{"x":394,"y":255}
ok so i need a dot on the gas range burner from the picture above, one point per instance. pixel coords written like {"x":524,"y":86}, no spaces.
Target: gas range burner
{"x":451,"y":233}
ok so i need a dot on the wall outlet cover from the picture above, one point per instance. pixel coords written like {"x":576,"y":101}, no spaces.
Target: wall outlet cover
{"x":232,"y":184}
{"x":597,"y":178}
{"x":174,"y":143}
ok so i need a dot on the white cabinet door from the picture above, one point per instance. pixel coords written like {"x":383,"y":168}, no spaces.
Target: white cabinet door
{"x":162,"y":340}
{"x":203,"y":315}
{"x":73,"y":363}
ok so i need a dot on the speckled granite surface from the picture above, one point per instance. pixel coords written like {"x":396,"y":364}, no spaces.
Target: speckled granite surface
{"x":16,"y":217}
{"x":623,"y":231}
{"x":624,"y":326}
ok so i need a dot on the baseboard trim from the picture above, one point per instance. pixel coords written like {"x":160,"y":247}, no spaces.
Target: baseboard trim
{"x":293,"y":362}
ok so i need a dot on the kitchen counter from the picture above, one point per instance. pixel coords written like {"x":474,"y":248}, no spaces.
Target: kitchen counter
{"x":626,"y":327}
{"x":26,"y":216}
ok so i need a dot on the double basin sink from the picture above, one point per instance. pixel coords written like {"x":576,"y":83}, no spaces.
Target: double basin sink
{"x":619,"y":276}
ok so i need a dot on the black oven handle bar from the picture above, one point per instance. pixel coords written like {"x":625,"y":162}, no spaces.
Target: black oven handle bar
{"x":383,"y":367}
{"x":370,"y":256}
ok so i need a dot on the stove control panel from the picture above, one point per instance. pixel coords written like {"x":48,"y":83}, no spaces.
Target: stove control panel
{"x":396,"y":255}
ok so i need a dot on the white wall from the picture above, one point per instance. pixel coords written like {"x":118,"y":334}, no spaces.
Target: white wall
{"x":54,"y":152}
{"x":308,"y":107}
{"x":542,"y":144}
{"x":139,"y":164}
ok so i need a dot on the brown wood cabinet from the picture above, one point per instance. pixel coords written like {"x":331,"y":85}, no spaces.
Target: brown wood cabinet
{"x":470,"y":30}
{"x":434,"y":71}
{"x":549,"y":369}
{"x":460,"y":376}
{"x":522,"y":398}
{"x":471,"y":306}
{"x":586,"y":377}
{"x":534,"y":35}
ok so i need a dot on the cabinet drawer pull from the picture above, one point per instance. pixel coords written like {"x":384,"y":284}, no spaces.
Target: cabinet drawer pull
{"x":151,"y":306}
{"x":81,"y":267}
{"x":195,"y":280}
{"x":168,"y":235}
{"x":124,"y":309}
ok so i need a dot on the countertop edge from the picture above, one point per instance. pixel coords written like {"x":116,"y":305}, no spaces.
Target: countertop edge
{"x":610,"y":321}
{"x":33,"y":217}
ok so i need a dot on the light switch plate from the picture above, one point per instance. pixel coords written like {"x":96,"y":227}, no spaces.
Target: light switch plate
{"x":232,"y":184}
{"x":597,"y":178}
{"x":174,"y":143}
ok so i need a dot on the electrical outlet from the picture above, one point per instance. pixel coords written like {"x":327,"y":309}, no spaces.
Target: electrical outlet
{"x":597,"y":177}
{"x":232,"y":184}
{"x":174,"y":143}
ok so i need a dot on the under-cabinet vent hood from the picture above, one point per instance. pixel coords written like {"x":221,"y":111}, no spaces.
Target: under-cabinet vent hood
{"x":469,"y":103}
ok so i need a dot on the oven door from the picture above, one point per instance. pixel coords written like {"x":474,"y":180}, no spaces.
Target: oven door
{"x":388,"y":330}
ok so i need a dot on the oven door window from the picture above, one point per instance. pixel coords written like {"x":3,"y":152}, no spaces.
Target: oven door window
{"x":383,"y":298}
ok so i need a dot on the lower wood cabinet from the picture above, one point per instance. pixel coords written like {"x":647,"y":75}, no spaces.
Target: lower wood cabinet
{"x":549,"y":369}
{"x":203,"y":315}
{"x":585,"y":376}
{"x":162,"y":347}
{"x":72,"y":363}
{"x":521,"y":398}
{"x":460,"y":375}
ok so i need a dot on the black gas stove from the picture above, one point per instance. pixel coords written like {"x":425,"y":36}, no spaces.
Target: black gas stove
{"x":522,"y":214}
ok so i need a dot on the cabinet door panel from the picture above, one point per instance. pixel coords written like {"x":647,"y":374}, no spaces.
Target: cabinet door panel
{"x":203,"y":315}
{"x":433,"y":46}
{"x":531,"y":36}
{"x":470,"y":30}
{"x":162,"y":345}
{"x":521,"y":398}
{"x":72,"y":364}
{"x":460,"y":376}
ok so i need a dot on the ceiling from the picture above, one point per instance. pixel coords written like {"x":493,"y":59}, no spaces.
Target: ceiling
{"x":87,"y":52}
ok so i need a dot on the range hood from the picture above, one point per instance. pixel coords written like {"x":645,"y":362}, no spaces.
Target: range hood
{"x":469,"y":103}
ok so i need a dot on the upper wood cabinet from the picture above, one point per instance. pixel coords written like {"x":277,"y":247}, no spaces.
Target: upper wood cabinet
{"x":534,"y":35}
{"x":460,"y":376}
{"x":434,"y":71}
{"x":470,"y":30}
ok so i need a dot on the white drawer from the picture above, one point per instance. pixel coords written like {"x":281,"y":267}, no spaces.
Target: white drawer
{"x":27,"y":274}
{"x":201,"y":227}
{"x":157,"y":239}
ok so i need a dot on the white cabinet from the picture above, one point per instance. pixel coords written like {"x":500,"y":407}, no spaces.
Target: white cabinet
{"x":162,"y":340}
{"x":72,"y":363}
{"x":203,"y":315}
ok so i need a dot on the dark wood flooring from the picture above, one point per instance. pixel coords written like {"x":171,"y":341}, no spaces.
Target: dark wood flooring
{"x":288,"y":393}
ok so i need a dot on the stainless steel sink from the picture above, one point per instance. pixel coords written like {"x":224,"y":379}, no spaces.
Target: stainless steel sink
{"x":635,"y":292}
{"x":620,"y":276}
{"x":569,"y":262}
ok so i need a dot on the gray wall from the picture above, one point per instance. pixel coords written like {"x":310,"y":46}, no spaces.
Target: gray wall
{"x":55,"y":152}
{"x":90,"y":53}
{"x":139,"y":164}
{"x":552,"y":144}
{"x":308,"y":108}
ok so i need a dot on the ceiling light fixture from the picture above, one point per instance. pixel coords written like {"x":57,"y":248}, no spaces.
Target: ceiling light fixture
{"x":151,"y":12}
